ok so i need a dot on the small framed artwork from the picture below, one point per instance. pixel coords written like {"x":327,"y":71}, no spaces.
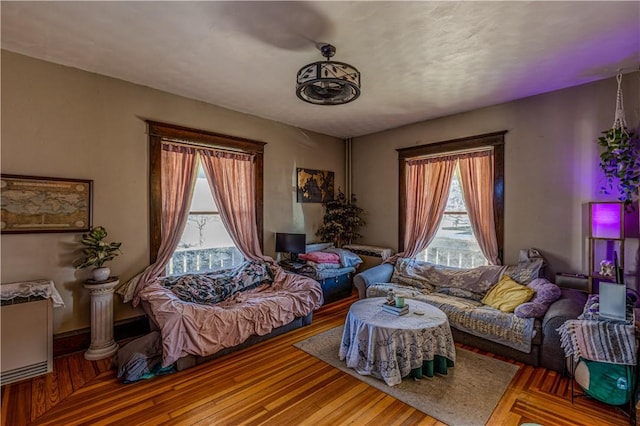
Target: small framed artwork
{"x":314,"y":186}
{"x":33,"y":204}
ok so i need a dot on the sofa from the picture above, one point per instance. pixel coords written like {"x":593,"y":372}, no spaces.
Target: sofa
{"x":531,"y":338}
{"x":203,"y":316}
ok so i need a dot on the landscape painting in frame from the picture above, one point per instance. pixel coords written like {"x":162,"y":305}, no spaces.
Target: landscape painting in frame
{"x":33,"y":204}
{"x":314,"y":186}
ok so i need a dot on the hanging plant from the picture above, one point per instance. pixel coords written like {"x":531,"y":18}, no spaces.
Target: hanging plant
{"x":342,"y":220}
{"x":620,"y":160}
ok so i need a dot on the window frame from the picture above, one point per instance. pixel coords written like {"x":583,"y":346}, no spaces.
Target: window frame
{"x":449,"y":147}
{"x":159,"y":132}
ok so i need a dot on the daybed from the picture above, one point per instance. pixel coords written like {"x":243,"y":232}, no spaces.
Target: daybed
{"x":201,"y":316}
{"x":531,"y":339}
{"x":332,"y":267}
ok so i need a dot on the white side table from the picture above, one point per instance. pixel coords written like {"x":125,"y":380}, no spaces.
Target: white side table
{"x":102,"y":343}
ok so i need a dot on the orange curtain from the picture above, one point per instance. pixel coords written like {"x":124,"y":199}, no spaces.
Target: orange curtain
{"x":428,"y":183}
{"x":179,"y":168}
{"x":476,"y":174}
{"x":231,"y":180}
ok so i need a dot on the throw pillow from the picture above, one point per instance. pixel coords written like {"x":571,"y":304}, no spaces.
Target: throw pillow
{"x":347,"y":258}
{"x":507,"y":295}
{"x":321,"y":257}
{"x":525,"y":271}
{"x":546,"y":294}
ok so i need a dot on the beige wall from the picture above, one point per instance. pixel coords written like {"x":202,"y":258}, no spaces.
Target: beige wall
{"x":551,"y":166}
{"x":62,"y":122}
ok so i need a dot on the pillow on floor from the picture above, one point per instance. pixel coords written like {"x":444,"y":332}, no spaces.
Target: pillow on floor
{"x":507,"y":295}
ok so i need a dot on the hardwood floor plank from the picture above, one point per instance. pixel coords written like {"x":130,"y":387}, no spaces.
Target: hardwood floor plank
{"x":63,"y":377}
{"x":19,"y":404}
{"x":75,"y":372}
{"x":4,"y":405}
{"x":271,"y":383}
{"x":38,"y":397}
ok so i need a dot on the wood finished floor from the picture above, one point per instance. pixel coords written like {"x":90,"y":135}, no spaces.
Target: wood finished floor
{"x":272,"y":383}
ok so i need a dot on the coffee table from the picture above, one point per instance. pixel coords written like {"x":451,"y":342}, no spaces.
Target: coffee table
{"x":390,"y":347}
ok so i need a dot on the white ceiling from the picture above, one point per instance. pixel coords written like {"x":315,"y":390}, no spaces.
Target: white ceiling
{"x":418,"y":60}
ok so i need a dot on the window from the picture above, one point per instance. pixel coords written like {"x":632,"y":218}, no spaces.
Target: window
{"x":205,"y":244}
{"x":454,"y":243}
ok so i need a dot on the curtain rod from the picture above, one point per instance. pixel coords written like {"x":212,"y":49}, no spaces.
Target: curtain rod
{"x":451,"y":153}
{"x":204,"y":146}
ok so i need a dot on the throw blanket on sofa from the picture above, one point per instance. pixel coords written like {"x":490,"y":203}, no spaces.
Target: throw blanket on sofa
{"x":202,"y":330}
{"x":471,"y":316}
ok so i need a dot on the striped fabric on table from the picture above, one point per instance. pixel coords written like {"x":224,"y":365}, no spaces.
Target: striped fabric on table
{"x":603,"y":341}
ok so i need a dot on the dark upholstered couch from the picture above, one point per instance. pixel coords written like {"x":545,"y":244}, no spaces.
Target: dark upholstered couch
{"x":545,"y":344}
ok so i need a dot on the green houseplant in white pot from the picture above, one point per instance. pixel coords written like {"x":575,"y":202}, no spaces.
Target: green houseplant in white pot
{"x":97,"y":252}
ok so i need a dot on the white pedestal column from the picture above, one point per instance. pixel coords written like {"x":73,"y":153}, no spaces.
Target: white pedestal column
{"x":102,"y":343}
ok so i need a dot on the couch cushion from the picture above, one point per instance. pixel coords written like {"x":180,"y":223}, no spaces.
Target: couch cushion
{"x":507,"y":295}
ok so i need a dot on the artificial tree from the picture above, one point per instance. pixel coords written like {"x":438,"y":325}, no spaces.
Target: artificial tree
{"x":342,"y":220}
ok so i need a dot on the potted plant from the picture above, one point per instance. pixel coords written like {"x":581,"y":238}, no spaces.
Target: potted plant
{"x":621,"y":158}
{"x":620,"y":161}
{"x":342,"y":220}
{"x":97,"y":252}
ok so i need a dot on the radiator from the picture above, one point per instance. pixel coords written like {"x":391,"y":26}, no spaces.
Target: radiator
{"x":27,"y":338}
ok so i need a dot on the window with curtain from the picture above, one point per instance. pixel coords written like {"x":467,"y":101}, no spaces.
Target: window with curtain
{"x":454,"y":243}
{"x":451,"y":205}
{"x":205,"y":244}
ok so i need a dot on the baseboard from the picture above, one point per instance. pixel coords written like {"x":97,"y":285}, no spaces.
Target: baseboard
{"x":79,"y":340}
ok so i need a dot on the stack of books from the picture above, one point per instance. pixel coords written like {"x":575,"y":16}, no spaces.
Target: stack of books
{"x":393,"y":309}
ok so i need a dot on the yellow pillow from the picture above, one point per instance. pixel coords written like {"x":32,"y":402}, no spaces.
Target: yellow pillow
{"x":507,"y":295}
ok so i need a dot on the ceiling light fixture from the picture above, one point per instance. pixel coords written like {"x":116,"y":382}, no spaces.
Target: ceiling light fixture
{"x":326,"y":82}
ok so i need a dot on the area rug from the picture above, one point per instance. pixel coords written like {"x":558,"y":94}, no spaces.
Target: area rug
{"x":466,"y":396}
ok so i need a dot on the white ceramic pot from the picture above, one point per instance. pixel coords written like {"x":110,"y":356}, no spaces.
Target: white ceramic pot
{"x":100,"y":274}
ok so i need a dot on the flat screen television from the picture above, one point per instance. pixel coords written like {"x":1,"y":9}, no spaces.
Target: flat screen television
{"x":293,"y":244}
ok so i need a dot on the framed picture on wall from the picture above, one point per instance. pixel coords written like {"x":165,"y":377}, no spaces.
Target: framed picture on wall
{"x":32,"y":204}
{"x":314,"y":186}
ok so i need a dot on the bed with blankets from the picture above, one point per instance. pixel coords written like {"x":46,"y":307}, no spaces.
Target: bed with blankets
{"x":331,"y":266}
{"x":200,"y":316}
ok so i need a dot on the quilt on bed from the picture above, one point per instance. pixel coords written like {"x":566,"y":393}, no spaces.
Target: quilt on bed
{"x":204,"y":329}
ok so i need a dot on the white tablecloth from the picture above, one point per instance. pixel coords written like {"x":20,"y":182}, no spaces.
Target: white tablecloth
{"x":387,"y":346}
